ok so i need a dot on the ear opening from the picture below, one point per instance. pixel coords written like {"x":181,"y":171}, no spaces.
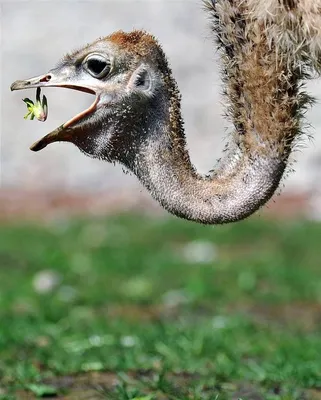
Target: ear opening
{"x":142,"y":80}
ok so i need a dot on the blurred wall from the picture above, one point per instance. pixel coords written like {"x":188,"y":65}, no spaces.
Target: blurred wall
{"x":34,"y":36}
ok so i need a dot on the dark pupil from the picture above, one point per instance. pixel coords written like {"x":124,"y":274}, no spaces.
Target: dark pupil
{"x":96,"y":66}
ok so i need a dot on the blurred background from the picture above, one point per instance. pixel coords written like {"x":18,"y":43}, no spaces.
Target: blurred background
{"x":102,"y":293}
{"x":36,"y":34}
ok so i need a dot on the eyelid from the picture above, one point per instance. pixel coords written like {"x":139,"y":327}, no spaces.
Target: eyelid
{"x":96,"y":55}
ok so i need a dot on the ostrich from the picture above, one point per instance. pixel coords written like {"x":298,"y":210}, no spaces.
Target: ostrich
{"x":135,"y":119}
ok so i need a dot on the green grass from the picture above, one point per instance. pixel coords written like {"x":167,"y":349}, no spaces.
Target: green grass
{"x":130,"y":316}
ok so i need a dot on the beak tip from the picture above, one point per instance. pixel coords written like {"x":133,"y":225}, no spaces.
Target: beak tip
{"x":13,"y":87}
{"x":19,"y":85}
{"x":38,"y":146}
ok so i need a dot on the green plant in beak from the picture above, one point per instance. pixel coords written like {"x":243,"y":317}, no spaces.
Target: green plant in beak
{"x":39,"y":109}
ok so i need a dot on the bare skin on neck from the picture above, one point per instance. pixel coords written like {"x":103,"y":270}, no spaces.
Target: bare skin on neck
{"x":136,"y":117}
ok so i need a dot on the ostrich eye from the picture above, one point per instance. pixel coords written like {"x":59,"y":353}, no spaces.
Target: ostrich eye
{"x":97,"y":65}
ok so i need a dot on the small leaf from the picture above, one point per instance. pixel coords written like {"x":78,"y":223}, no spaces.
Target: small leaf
{"x":38,"y":91}
{"x":26,"y":100}
{"x":45,"y":103}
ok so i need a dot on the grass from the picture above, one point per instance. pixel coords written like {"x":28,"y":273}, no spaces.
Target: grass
{"x":136,"y":308}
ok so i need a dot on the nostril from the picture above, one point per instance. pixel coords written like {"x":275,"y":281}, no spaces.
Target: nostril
{"x":46,"y":78}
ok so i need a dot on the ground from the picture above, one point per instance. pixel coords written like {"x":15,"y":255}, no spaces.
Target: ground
{"x":134,"y":307}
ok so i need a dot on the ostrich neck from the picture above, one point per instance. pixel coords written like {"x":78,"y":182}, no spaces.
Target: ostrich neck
{"x":240,"y":185}
{"x":265,"y":104}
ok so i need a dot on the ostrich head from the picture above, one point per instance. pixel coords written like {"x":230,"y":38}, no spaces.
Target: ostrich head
{"x":129,"y":76}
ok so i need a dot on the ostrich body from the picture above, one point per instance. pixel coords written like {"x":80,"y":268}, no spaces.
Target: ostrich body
{"x":136,"y":117}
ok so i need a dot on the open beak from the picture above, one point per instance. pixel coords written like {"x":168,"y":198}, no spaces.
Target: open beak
{"x":64,"y":131}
